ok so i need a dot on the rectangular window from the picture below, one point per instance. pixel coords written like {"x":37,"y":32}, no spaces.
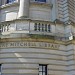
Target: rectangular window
{"x":10,"y":1}
{"x":42,"y":69}
{"x":41,"y":0}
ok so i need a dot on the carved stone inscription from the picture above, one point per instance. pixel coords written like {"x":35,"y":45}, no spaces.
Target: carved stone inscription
{"x":29,"y":44}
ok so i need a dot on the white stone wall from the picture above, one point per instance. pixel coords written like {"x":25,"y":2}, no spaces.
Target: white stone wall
{"x":21,"y":60}
{"x":27,"y":60}
{"x":9,"y":13}
{"x":40,"y":12}
{"x":70,"y":52}
{"x":37,"y":11}
{"x":70,"y":29}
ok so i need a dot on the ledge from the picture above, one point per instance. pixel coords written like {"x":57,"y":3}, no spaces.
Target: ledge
{"x":33,"y":38}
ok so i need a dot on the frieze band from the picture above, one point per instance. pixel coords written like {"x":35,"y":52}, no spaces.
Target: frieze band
{"x":29,"y":44}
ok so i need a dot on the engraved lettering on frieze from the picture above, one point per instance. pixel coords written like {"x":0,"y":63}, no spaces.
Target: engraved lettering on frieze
{"x":25,"y":44}
{"x":29,"y":44}
{"x":11,"y":44}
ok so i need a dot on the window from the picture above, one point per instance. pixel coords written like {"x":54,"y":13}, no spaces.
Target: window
{"x":42,"y":69}
{"x":41,"y":0}
{"x":10,"y":1}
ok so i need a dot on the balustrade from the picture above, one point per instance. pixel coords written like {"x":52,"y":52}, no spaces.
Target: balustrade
{"x":5,"y":27}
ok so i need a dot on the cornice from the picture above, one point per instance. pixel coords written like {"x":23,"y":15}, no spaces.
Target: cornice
{"x":34,"y":39}
{"x":31,"y":20}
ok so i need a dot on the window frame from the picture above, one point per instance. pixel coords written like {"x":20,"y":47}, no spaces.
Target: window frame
{"x":43,"y":71}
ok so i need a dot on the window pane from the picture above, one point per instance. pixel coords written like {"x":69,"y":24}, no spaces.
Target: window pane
{"x":44,"y":68}
{"x":40,"y":73}
{"x":44,"y":73}
{"x":40,"y":68}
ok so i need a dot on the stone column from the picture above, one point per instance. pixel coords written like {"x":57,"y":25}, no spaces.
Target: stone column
{"x":3,"y":2}
{"x":24,"y":9}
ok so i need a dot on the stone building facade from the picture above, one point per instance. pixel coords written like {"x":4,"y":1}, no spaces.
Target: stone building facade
{"x":37,"y":37}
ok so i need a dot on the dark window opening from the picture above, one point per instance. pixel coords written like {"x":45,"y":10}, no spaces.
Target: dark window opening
{"x":10,"y":1}
{"x":35,"y":27}
{"x":42,"y":69}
